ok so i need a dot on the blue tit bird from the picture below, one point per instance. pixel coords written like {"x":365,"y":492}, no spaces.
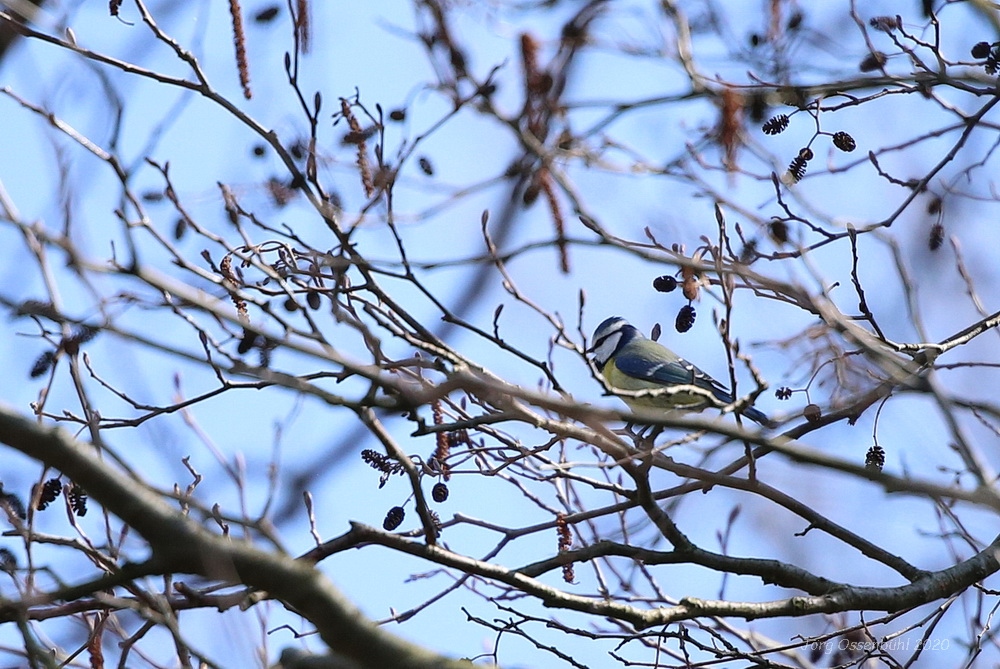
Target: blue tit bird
{"x":630,"y":361}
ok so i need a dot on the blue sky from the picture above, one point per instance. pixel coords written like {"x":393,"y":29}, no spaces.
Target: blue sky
{"x":368,"y":48}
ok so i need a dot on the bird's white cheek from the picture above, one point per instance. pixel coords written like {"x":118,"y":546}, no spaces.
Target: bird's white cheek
{"x":607,"y":348}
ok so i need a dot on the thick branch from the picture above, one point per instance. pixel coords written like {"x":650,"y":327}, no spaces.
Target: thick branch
{"x":181,"y":545}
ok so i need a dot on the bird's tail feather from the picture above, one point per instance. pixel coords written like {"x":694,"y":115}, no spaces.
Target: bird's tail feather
{"x":758,"y":417}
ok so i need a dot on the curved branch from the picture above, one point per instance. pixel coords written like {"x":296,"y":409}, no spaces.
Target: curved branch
{"x":180,"y":545}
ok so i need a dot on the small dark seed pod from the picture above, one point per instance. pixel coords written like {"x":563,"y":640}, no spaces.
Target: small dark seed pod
{"x":665,"y":283}
{"x":43,"y":364}
{"x":50,"y":491}
{"x":875,"y":458}
{"x":797,"y":168}
{"x":936,"y":237}
{"x":267,"y":14}
{"x":393,"y":518}
{"x":14,"y":504}
{"x":78,"y":500}
{"x":779,"y":231}
{"x":685,"y":318}
{"x":844,"y":142}
{"x":439,"y":492}
{"x":873,"y":61}
{"x":775,"y":124}
{"x":884,"y":23}
{"x":981,"y":50}
{"x":248,"y":341}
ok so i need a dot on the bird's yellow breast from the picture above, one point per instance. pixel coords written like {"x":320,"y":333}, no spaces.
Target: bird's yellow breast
{"x":617,"y":379}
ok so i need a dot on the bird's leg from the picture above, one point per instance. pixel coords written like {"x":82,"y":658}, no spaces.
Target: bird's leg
{"x":643,"y":436}
{"x":651,"y":432}
{"x":638,"y":431}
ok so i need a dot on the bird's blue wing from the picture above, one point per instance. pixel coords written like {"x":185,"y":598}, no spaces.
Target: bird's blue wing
{"x":671,"y":373}
{"x":682,"y":372}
